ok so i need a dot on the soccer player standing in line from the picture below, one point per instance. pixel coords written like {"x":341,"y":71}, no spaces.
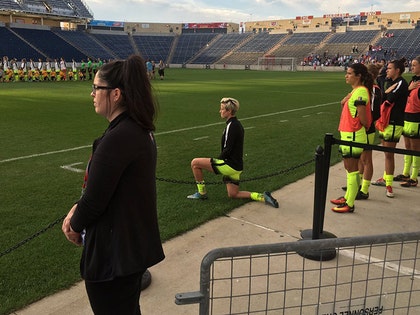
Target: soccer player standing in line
{"x":355,"y":119}
{"x":230,"y":161}
{"x":366,"y":162}
{"x":411,"y":131}
{"x":391,"y":122}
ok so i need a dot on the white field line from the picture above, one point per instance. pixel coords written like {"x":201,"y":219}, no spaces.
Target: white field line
{"x":200,"y":138}
{"x":42,"y":154}
{"x":380,"y":263}
{"x":351,"y":254}
{"x":169,"y":132}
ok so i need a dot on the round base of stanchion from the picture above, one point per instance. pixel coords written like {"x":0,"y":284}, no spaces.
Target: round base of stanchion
{"x":146,"y":280}
{"x":318,"y":255}
{"x":307,"y":235}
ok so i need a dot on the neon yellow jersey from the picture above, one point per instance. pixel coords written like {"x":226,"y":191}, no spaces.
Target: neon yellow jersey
{"x":349,"y":122}
{"x":359,"y":95}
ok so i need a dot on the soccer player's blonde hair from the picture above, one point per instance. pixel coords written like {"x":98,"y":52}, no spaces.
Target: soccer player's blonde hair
{"x":231,"y":104}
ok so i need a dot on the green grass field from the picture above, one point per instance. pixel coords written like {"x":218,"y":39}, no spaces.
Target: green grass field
{"x":49,"y":125}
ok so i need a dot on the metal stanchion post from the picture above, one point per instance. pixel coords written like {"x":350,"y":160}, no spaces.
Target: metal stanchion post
{"x":322,"y":163}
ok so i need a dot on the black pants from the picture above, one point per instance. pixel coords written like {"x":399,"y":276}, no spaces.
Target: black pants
{"x":120,"y":296}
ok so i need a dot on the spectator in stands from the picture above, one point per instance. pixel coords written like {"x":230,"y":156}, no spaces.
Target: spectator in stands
{"x":230,"y":161}
{"x":411,"y":131}
{"x":391,"y":122}
{"x":354,"y":121}
{"x":117,"y":213}
{"x":161,"y":69}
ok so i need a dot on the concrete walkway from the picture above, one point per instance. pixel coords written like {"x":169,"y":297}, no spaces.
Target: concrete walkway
{"x":256,"y":223}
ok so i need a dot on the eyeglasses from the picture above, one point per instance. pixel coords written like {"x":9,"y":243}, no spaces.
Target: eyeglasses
{"x":99,"y":87}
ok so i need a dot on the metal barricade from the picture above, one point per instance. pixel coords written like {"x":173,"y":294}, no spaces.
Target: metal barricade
{"x":370,"y":275}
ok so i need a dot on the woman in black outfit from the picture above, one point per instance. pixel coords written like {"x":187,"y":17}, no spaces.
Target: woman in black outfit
{"x":116,"y":217}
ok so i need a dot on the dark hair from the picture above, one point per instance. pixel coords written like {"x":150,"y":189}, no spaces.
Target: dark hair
{"x":417,"y":58}
{"x":365,"y":76}
{"x":373,"y":69}
{"x":399,"y":64}
{"x":131,"y":78}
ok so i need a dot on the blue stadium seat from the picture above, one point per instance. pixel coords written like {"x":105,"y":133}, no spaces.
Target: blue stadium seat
{"x":220,"y":47}
{"x":49,"y":43}
{"x":13,"y":47}
{"x":119,"y":44}
{"x":154,"y":47}
{"x":188,"y":46}
{"x":86,"y":43}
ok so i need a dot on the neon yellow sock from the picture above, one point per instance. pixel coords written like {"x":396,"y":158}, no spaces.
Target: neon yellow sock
{"x":201,"y":187}
{"x":365,"y":186}
{"x":389,"y":179}
{"x":408,"y":160}
{"x":257,"y":196}
{"x":415,"y":169}
{"x":352,"y":187}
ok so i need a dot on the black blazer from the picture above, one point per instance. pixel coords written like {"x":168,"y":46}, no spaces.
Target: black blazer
{"x":118,"y":208}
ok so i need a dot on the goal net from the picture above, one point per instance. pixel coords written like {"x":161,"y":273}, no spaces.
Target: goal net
{"x":277,"y":63}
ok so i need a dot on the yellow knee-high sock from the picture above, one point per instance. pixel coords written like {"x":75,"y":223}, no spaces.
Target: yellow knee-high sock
{"x":416,"y":166}
{"x":408,"y":159}
{"x":201,"y":187}
{"x":352,"y":187}
{"x":389,"y":179}
{"x":257,"y":196}
{"x":365,"y":186}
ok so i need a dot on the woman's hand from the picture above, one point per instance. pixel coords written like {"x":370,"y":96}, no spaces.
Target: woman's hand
{"x":414,"y":85}
{"x":71,"y":235}
{"x":389,"y":90}
{"x":345,"y":99}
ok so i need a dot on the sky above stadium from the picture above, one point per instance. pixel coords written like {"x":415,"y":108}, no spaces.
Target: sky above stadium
{"x":183,"y":11}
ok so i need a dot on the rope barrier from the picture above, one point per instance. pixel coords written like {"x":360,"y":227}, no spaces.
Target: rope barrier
{"x":59,"y":220}
{"x":27,"y":240}
{"x":176,"y":181}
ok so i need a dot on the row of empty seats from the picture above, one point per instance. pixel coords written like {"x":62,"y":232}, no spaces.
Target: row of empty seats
{"x":233,"y":48}
{"x":220,"y":47}
{"x":353,"y":37}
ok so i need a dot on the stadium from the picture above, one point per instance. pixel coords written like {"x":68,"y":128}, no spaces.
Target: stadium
{"x":286,"y":109}
{"x":49,"y":30}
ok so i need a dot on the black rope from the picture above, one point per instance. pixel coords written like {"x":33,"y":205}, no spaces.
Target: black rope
{"x":177,"y":181}
{"x":27,"y":240}
{"x":51,"y":225}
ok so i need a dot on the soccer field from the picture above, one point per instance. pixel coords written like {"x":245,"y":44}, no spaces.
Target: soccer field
{"x":47,"y":130}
